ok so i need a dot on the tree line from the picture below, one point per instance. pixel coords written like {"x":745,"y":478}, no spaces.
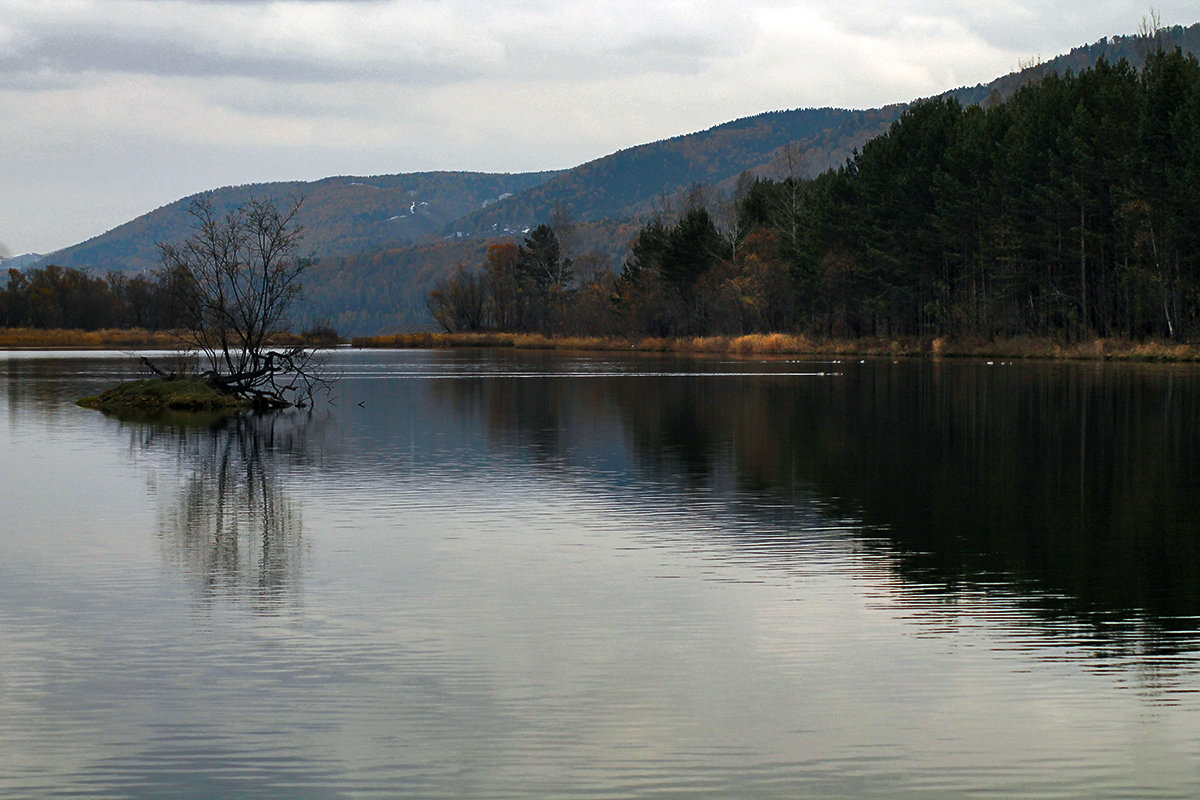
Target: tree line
{"x":1071,"y":209}
{"x":533,"y":286}
{"x":64,"y":297}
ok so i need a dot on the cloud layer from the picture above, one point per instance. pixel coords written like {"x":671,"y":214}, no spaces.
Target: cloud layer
{"x":109,"y":108}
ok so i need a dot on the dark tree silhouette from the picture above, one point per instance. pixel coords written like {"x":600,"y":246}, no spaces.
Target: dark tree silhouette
{"x":237,"y":278}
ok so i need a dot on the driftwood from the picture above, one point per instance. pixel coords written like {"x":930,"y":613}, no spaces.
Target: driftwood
{"x":275,"y":375}
{"x":272,"y":377}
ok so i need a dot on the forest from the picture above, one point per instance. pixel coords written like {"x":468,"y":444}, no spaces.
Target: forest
{"x":65,"y":297}
{"x":1071,"y":209}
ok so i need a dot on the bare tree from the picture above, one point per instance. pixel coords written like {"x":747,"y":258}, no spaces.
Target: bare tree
{"x":459,"y":302}
{"x":237,"y":278}
{"x":565,"y":230}
{"x":727,"y":213}
{"x":789,"y":201}
{"x":1151,"y":31}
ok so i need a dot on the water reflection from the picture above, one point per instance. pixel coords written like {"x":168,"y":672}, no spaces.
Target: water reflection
{"x":229,"y":524}
{"x":1070,"y":490}
{"x":1081,"y":478}
{"x":45,"y":382}
{"x":189,"y":761}
{"x":545,"y":577}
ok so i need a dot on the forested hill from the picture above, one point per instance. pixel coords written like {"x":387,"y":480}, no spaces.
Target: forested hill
{"x":1070,"y":210}
{"x":341,"y":215}
{"x":1112,"y":49}
{"x":634,"y":181}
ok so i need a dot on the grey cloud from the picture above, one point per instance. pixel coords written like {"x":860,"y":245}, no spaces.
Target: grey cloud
{"x":20,"y":79}
{"x":613,"y":41}
{"x":56,"y":56}
{"x":642,"y":56}
{"x":1023,"y":26}
{"x":446,"y":42}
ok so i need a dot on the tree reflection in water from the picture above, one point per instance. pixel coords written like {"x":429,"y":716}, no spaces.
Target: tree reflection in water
{"x":1066,"y":491}
{"x":230,"y":525}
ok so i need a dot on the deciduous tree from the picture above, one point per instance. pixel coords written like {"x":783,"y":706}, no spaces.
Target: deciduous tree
{"x":237,"y":278}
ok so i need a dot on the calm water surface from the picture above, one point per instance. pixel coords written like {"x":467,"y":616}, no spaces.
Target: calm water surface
{"x":489,"y":575}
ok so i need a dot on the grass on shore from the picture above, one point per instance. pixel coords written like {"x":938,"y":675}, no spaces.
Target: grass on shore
{"x":132,"y":339}
{"x":749,"y":345}
{"x":74,"y":339}
{"x":799,"y":344}
{"x":164,"y":394}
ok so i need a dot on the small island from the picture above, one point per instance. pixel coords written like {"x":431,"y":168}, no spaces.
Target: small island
{"x":233,"y":302}
{"x":165,"y":393}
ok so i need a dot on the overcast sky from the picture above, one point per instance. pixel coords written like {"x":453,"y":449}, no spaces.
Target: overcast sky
{"x":111,"y":108}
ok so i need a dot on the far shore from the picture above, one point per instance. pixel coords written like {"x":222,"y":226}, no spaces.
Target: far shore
{"x":798,"y":344}
{"x":1022,"y":347}
{"x":73,"y":339}
{"x":107,"y":339}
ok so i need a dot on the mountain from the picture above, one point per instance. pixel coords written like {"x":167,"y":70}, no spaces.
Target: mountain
{"x":384,"y":241}
{"x":632,"y":182}
{"x":341,"y":215}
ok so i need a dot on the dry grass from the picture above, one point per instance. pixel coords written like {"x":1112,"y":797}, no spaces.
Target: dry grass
{"x":758,"y":344}
{"x":752,"y":344}
{"x":115,"y":339}
{"x":108,"y":339}
{"x":532,"y":341}
{"x":1087,"y":349}
{"x":755,"y":344}
{"x":1156,"y":351}
{"x":164,"y":394}
{"x":434,"y":340}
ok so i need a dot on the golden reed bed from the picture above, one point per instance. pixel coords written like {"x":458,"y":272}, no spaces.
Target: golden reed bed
{"x":799,"y":344}
{"x":106,"y":339}
{"x":749,"y":345}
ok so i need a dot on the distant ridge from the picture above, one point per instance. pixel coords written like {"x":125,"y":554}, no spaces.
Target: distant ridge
{"x":631,"y":181}
{"x":1111,"y":48}
{"x":341,"y":215}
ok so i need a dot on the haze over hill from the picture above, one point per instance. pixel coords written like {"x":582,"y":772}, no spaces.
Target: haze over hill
{"x":383,"y":241}
{"x":22,"y":261}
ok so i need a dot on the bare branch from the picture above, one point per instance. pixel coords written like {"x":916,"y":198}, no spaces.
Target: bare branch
{"x":237,"y":278}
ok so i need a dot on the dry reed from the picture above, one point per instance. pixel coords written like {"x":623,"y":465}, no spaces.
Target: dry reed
{"x":767,"y":344}
{"x":72,"y":339}
{"x":112,"y":339}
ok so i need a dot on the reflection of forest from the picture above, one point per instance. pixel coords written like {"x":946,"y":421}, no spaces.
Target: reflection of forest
{"x":230,"y":525}
{"x":1077,"y":482}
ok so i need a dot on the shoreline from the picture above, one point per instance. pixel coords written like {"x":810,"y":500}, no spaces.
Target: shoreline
{"x":74,"y":339}
{"x":1023,"y":347}
{"x":108,"y":339}
{"x":792,"y":344}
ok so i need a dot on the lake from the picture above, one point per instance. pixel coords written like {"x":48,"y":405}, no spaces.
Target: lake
{"x":494,"y":574}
